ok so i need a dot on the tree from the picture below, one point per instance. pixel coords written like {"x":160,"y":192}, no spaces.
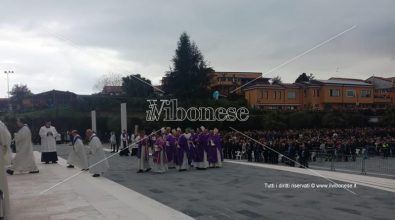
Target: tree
{"x":110,"y":79}
{"x":137,"y":86}
{"x":19,"y":92}
{"x":277,"y":80}
{"x":189,"y":76}
{"x":304,"y":78}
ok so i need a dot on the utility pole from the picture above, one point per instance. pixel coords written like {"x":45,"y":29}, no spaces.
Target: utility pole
{"x":8,"y":72}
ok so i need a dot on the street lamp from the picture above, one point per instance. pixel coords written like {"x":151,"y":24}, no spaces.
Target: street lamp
{"x":8,"y":72}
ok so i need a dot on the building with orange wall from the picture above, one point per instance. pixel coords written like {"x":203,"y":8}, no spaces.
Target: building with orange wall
{"x":315,"y":94}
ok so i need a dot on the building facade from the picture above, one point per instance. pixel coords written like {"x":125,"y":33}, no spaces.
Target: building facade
{"x":334,"y":93}
{"x":229,"y":82}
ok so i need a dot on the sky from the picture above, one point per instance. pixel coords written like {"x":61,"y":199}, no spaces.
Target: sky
{"x":69,"y":45}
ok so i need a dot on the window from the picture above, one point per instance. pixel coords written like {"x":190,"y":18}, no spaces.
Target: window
{"x":365,"y":93}
{"x":350,"y":93}
{"x":292,"y":95}
{"x":277,"y":94}
{"x":318,"y":93}
{"x":334,"y":92}
{"x":305,"y":92}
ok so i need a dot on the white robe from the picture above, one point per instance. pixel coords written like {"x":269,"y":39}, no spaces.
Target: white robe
{"x":4,"y":140}
{"x":5,"y":144}
{"x":98,"y":163}
{"x":24,"y":159}
{"x":77,"y":156}
{"x":48,"y":143}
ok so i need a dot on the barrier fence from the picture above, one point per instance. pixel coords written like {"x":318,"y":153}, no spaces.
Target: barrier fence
{"x":361,"y":162}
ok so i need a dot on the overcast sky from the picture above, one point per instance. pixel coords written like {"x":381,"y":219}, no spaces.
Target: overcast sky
{"x":68,"y":45}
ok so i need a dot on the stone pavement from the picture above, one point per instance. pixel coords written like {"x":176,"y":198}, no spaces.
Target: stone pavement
{"x":237,"y":191}
{"x":83,"y":197}
{"x":374,"y":182}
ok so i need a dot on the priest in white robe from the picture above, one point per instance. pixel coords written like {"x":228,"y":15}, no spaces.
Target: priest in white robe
{"x":5,"y":136}
{"x":24,"y":160}
{"x":77,"y":156}
{"x":98,"y":163}
{"x":5,"y":142}
{"x":48,"y":136}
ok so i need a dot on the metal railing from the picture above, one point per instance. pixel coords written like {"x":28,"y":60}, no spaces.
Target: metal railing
{"x":361,"y":162}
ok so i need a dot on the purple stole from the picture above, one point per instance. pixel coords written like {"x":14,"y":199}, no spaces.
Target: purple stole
{"x":143,"y":142}
{"x":160,"y":143}
{"x":170,"y":150}
{"x":183,"y":143}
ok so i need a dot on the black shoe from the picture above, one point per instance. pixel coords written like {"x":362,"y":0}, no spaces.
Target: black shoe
{"x":54,"y":161}
{"x":11,"y":172}
{"x":70,"y":166}
{"x":36,"y":171}
{"x":181,"y":170}
{"x":84,"y":169}
{"x":96,"y":175}
{"x":140,"y":171}
{"x":147,"y":170}
{"x":46,"y":162}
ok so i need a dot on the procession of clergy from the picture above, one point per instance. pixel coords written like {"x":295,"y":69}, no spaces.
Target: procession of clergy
{"x":172,"y":148}
{"x":159,"y":151}
{"x":89,"y":157}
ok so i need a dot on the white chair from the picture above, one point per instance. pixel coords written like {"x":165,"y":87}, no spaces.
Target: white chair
{"x":238,"y":155}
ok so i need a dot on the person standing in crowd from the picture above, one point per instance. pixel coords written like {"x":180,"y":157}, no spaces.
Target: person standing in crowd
{"x":291,"y":154}
{"x":386,"y":150}
{"x":159,"y":155}
{"x":304,"y":155}
{"x":98,"y":163}
{"x":201,"y":150}
{"x":215,"y":153}
{"x":143,"y":153}
{"x":124,"y":144}
{"x":24,"y":160}
{"x":192,"y":147}
{"x":67,"y":138}
{"x":77,"y":156}
{"x":182,"y":150}
{"x":113,"y":143}
{"x":170,"y":148}
{"x":48,"y":136}
{"x":5,"y":142}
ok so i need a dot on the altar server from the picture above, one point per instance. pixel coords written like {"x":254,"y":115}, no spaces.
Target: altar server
{"x":48,"y":136}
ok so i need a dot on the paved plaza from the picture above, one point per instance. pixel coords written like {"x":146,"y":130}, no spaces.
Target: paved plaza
{"x":237,"y":191}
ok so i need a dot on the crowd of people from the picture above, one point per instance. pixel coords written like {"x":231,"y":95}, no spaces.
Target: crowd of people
{"x":306,"y":144}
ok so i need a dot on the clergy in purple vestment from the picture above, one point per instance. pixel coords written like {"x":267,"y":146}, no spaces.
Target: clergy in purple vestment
{"x":201,"y":150}
{"x":191,"y":147}
{"x":159,"y":155}
{"x":143,"y":153}
{"x":215,"y":150}
{"x":170,"y":148}
{"x":181,"y":158}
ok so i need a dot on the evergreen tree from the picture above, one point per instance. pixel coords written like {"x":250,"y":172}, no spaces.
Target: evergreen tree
{"x":189,"y":76}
